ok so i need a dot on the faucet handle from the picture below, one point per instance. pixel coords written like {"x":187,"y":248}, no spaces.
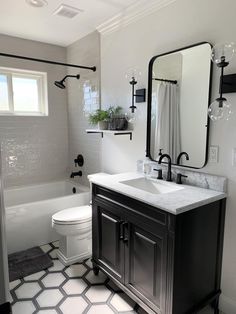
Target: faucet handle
{"x":179,"y":178}
{"x":159,"y":173}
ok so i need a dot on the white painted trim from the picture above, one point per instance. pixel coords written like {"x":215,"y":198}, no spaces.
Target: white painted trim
{"x":131,"y":14}
{"x":227,"y":305}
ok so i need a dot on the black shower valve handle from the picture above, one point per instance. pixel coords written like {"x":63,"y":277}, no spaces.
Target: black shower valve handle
{"x":79,"y":160}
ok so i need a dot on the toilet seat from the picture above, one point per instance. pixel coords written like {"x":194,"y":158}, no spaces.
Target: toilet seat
{"x":73,"y":216}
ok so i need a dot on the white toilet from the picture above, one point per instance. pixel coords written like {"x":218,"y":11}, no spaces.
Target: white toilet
{"x":75,"y":228}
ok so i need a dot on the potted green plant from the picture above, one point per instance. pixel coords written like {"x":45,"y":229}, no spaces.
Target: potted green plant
{"x":99,"y":117}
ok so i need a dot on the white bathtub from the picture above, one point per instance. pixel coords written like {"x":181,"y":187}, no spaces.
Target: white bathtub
{"x":29,"y":210}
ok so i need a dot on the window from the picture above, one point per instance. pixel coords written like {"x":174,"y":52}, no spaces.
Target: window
{"x":23,"y":92}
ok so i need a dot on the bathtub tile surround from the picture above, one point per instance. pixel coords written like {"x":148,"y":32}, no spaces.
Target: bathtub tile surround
{"x":69,"y":290}
{"x":194,"y":178}
{"x":35,"y":149}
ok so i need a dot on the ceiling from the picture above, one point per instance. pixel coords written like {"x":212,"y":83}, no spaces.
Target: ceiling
{"x":19,"y":19}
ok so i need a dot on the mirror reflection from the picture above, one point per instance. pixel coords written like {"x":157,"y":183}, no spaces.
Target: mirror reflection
{"x":178,"y":110}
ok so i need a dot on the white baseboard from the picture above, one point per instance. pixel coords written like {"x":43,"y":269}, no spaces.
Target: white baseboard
{"x":227,"y":305}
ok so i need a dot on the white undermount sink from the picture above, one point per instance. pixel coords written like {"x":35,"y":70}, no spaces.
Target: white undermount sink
{"x":152,"y":186}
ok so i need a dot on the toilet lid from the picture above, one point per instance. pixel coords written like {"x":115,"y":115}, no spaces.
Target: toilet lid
{"x":73,"y":215}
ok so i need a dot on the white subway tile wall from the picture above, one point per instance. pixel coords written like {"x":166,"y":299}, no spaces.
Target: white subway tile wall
{"x":85,"y":51}
{"x":35,"y":149}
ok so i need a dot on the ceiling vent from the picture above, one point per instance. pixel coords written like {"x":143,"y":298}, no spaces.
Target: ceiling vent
{"x":67,"y":11}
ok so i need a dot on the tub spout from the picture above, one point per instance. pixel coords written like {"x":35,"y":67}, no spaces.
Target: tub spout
{"x":75,"y":174}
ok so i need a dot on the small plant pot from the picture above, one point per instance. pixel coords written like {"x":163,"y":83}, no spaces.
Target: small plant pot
{"x":102,"y":125}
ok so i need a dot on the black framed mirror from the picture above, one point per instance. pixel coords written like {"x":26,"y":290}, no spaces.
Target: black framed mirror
{"x":179,"y":88}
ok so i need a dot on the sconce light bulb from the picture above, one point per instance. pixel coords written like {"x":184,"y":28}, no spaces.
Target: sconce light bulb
{"x":222,"y":50}
{"x":220,"y":109}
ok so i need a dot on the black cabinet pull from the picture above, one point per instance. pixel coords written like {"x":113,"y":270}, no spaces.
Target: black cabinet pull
{"x":124,"y":225}
{"x":121,"y":231}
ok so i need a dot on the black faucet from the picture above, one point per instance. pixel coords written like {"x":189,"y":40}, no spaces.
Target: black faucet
{"x":168,"y":178}
{"x":180,"y":155}
{"x":75,"y":174}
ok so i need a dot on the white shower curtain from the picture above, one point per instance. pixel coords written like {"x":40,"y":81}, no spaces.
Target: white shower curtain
{"x":167,"y":132}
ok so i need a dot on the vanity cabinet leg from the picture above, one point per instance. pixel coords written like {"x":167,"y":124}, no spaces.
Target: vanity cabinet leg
{"x":95,"y":270}
{"x":215,"y":306}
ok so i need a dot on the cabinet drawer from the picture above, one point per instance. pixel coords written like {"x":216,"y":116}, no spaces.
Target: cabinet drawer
{"x":133,"y":206}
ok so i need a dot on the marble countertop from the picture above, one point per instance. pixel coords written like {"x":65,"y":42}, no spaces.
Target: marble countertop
{"x":175,"y":202}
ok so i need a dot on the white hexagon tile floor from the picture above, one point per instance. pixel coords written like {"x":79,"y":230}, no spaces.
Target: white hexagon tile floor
{"x":68,"y":290}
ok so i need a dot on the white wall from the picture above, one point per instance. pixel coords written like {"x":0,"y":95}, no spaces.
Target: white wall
{"x":183,"y":23}
{"x":85,"y":51}
{"x":35,"y":149}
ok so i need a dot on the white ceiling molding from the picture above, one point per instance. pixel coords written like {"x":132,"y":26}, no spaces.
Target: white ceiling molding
{"x":131,"y":14}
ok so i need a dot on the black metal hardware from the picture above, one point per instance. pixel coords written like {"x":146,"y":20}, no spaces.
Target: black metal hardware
{"x":76,"y":174}
{"x":149,"y":103}
{"x":228,"y":84}
{"x":79,"y":161}
{"x":122,"y":236}
{"x":180,"y":155}
{"x":168,"y":178}
{"x":159,"y":174}
{"x":221,"y":65}
{"x":125,"y":133}
{"x":47,"y":61}
{"x":93,"y":132}
{"x":60,"y":83}
{"x":167,"y":81}
{"x":160,"y":151}
{"x":121,"y":231}
{"x":74,"y":190}
{"x":140,"y":95}
{"x":179,"y":178}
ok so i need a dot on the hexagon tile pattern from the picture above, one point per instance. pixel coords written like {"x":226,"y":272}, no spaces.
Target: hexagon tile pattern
{"x":69,"y":290}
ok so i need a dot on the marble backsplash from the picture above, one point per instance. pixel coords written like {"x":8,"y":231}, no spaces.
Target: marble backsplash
{"x":194,"y":178}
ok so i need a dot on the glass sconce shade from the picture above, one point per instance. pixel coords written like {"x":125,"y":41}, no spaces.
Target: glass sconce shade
{"x":222,"y":52}
{"x":133,"y":73}
{"x":220,"y":109}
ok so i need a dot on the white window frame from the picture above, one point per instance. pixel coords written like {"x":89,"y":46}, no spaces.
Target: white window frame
{"x":41,"y":78}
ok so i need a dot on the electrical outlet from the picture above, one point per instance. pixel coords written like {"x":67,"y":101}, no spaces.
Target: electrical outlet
{"x":213,"y":154}
{"x":234,"y":157}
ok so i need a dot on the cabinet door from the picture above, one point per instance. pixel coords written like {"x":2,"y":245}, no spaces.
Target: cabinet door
{"x":145,"y":260}
{"x":108,"y":246}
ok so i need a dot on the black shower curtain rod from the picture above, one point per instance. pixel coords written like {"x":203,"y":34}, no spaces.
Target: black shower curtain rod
{"x":167,"y":81}
{"x":47,"y":61}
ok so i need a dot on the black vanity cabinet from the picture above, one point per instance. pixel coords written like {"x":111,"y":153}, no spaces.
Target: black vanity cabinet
{"x":169,"y":264}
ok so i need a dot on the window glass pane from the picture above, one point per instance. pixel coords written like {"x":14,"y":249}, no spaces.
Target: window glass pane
{"x":25,"y":94}
{"x":4,"y":101}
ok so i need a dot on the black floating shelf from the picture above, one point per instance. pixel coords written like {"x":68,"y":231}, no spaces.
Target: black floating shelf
{"x":114,"y":132}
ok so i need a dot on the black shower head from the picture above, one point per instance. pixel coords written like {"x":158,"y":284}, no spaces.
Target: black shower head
{"x":61,"y":84}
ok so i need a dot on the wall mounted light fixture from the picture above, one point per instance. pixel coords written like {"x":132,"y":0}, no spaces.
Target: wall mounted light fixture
{"x":137,"y":96}
{"x":220,"y":109}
